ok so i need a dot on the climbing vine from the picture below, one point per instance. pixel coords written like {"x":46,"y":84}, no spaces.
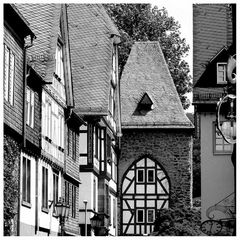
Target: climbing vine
{"x":11,"y":191}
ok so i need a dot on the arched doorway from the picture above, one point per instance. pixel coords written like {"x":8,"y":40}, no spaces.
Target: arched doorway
{"x":145,"y":190}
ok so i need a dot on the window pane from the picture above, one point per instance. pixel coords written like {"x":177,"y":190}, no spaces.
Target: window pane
{"x":150,"y":216}
{"x":24,"y":176}
{"x":12,"y":67}
{"x":219,"y":148}
{"x":28,"y":180}
{"x":150,"y":175}
{"x":140,"y":175}
{"x":6,"y":70}
{"x":139,"y":215}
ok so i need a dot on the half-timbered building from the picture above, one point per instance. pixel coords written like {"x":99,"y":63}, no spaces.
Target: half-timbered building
{"x":94,"y":56}
{"x":55,"y":172}
{"x":155,"y":166}
{"x":21,"y":126}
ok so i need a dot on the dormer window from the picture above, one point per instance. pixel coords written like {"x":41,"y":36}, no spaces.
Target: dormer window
{"x":145,"y":104}
{"x":59,"y":71}
{"x":221,"y":73}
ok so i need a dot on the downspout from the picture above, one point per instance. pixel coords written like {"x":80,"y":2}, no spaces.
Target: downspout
{"x":36,"y":199}
{"x":25,"y":76}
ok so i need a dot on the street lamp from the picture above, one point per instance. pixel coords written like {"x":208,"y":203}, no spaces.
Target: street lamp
{"x":85,"y":203}
{"x":62,"y":211}
{"x":95,"y":223}
{"x":228,"y":127}
{"x":227,"y":105}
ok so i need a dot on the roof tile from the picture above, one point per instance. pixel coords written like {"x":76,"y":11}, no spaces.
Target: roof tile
{"x":90,"y":31}
{"x":147,"y":72}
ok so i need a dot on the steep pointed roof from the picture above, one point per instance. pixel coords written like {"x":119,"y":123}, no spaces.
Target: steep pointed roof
{"x":147,"y":71}
{"x":91,"y":36}
{"x":44,"y":21}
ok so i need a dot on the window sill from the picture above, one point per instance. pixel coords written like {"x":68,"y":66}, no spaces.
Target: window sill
{"x":45,"y":210}
{"x":222,"y":153}
{"x":26,"y":204}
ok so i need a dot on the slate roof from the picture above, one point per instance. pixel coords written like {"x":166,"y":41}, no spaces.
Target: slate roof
{"x":44,"y":21}
{"x":147,"y":72}
{"x":212,"y":30}
{"x":91,"y":34}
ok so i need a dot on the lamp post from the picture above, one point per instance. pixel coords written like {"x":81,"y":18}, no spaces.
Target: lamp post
{"x":85,"y":202}
{"x":62,"y":211}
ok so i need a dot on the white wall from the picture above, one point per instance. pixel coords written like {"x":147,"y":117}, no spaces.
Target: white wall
{"x":86,"y":193}
{"x":217,"y":171}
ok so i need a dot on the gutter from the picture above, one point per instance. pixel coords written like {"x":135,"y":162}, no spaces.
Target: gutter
{"x":25,"y":76}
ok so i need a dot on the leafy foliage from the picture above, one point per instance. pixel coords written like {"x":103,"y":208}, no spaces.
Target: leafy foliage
{"x":178,"y":221}
{"x":11,"y":191}
{"x":141,"y":22}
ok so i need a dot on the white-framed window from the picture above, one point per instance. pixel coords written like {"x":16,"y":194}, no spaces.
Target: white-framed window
{"x":221,"y":73}
{"x":140,"y":175}
{"x":220,"y":146}
{"x":55,"y":188}
{"x":30,"y":107}
{"x":9,"y":74}
{"x":140,"y":215}
{"x":59,"y":70}
{"x":44,"y":188}
{"x":150,"y":215}
{"x":26,"y":180}
{"x":83,"y":144}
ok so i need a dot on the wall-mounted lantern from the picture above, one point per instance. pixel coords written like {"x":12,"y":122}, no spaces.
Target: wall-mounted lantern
{"x":62,"y":211}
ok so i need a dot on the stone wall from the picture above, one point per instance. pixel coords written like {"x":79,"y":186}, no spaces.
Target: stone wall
{"x":172,"y":149}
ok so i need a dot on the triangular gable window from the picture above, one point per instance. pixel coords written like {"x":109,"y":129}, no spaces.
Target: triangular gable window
{"x":145,"y":104}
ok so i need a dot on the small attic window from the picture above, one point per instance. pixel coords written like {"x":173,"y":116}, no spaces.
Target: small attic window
{"x":145,"y":104}
{"x":221,"y":73}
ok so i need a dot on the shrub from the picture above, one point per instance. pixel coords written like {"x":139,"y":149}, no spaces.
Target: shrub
{"x":178,"y":221}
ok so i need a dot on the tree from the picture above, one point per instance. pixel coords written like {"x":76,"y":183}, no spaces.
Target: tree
{"x":178,"y":221}
{"x":141,"y":22}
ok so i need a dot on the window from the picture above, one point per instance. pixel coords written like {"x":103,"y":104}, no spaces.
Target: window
{"x":114,"y":212}
{"x":94,"y":195}
{"x":67,"y":189}
{"x":59,"y":70}
{"x":74,"y":194}
{"x":9,"y":72}
{"x":220,"y":145}
{"x":150,"y":175}
{"x":107,"y":198}
{"x":30,"y":107}
{"x":150,"y":215}
{"x":103,"y":141}
{"x":140,"y":215}
{"x":221,"y":73}
{"x":53,"y":126}
{"x":140,"y":175}
{"x":74,"y":147}
{"x":55,"y":187}
{"x":44,"y":188}
{"x":83,"y":145}
{"x":26,"y":180}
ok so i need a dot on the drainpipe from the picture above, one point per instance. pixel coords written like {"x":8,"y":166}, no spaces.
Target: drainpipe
{"x":25,"y":76}
{"x":36,"y":199}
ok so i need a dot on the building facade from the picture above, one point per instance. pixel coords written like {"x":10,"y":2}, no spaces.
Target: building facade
{"x":94,"y":56}
{"x":49,"y":163}
{"x":155,"y":166}
{"x":214,"y":41}
{"x":18,"y":138}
